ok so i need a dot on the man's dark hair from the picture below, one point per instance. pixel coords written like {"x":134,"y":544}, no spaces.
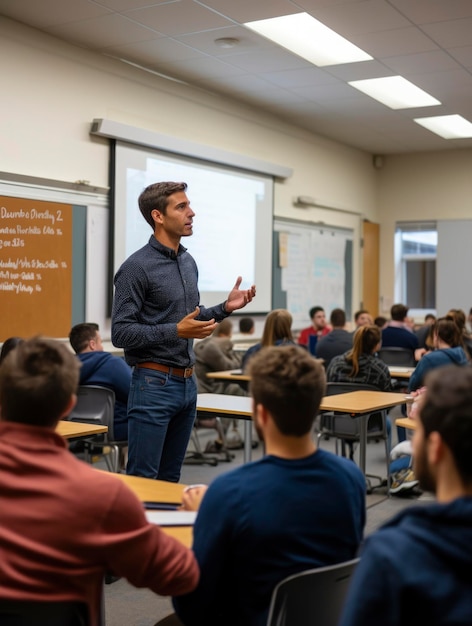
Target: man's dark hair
{"x":398,"y":312}
{"x":337,"y":318}
{"x":448,"y":331}
{"x":37,"y":380}
{"x":81,"y":334}
{"x":447,"y":409}
{"x":156,"y":197}
{"x":380,"y":321}
{"x":246,"y":324}
{"x":314,"y":310}
{"x":9,"y":345}
{"x":290,"y":384}
{"x":357,"y":314}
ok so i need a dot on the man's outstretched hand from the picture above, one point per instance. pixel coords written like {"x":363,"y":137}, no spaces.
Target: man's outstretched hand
{"x":238,"y":298}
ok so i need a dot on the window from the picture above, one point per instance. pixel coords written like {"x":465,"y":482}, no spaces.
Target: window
{"x":415,"y":266}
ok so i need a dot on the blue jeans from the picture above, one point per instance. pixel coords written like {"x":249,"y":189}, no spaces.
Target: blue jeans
{"x":161,"y":414}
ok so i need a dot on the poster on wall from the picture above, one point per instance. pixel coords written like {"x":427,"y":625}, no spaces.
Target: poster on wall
{"x":35,"y":268}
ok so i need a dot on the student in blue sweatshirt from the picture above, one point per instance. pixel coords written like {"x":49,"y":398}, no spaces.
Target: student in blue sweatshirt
{"x":417,"y":568}
{"x":104,"y":369}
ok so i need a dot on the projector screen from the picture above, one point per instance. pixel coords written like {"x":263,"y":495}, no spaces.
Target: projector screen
{"x":232,"y":227}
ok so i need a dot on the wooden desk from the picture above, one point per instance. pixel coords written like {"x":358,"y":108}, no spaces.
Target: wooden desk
{"x":71,"y":430}
{"x":406,"y":422}
{"x":357,"y":403}
{"x":230,"y":375}
{"x":161,"y":491}
{"x":236,"y":407}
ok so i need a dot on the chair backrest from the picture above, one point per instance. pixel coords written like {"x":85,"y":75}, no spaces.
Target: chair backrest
{"x":333,"y":389}
{"x":397,"y":356}
{"x":27,"y":613}
{"x":95,"y":405}
{"x":312,"y":597}
{"x":342,"y":425}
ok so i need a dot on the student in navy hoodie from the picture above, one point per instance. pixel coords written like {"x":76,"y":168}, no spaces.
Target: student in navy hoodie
{"x":104,"y":369}
{"x":449,"y":350}
{"x":417,"y":568}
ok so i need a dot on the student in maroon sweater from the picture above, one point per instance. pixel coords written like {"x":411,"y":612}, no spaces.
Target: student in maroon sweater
{"x":63,"y":524}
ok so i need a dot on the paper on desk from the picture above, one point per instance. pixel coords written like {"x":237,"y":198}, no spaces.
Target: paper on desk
{"x":393,"y":368}
{"x":171,"y":518}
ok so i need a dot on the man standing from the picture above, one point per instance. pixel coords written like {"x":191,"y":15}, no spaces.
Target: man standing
{"x":156,"y":315}
{"x":297,"y":508}
{"x":319,"y":328}
{"x":63,"y":524}
{"x":416,"y":568}
{"x":104,"y":369}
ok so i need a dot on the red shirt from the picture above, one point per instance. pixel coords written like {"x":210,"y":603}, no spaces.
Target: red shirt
{"x":303,"y":339}
{"x":63,"y":525}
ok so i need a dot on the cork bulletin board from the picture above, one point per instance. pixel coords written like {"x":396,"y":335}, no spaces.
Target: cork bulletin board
{"x":35,"y":267}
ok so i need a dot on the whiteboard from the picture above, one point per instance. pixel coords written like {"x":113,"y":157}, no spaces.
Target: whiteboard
{"x":312,"y":267}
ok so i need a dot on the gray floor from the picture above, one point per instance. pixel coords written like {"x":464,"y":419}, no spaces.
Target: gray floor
{"x":127,"y":606}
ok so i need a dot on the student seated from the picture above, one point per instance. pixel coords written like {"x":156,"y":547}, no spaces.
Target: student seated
{"x":417,"y":568}
{"x":297,"y":508}
{"x":277,"y":332}
{"x":63,"y":524}
{"x":103,"y":369}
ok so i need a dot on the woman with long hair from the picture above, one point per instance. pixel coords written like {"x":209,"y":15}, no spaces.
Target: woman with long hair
{"x":448,"y":343}
{"x":277,"y":331}
{"x":360,"y":364}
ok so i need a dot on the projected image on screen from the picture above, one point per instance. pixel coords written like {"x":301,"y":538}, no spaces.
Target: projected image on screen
{"x":232,"y":227}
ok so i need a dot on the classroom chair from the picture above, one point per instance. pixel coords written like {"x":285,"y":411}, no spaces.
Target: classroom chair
{"x":315,"y":596}
{"x":96,"y":405}
{"x":346,"y":428}
{"x":29,"y":613}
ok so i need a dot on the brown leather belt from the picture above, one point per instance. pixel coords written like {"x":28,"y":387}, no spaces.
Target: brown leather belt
{"x":173,"y":371}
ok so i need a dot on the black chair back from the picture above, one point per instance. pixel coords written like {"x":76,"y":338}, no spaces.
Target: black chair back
{"x":397,"y":356}
{"x":27,"y":613}
{"x":312,"y":597}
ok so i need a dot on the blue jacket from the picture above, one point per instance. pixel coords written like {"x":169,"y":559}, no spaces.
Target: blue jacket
{"x":102,"y":368}
{"x":265,"y":521}
{"x":431,"y":360}
{"x":417,"y":569}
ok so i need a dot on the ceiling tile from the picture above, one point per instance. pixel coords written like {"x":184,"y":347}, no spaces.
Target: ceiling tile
{"x":50,"y":12}
{"x":428,"y":11}
{"x":449,"y":34}
{"x":177,"y":18}
{"x":394,"y":42}
{"x":361,"y":17}
{"x":101,"y":32}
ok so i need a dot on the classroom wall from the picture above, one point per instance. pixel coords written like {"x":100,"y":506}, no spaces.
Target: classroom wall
{"x":422,"y":186}
{"x":51,"y":92}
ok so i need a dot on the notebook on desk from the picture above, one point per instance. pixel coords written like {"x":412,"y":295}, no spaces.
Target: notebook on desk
{"x":171,"y":518}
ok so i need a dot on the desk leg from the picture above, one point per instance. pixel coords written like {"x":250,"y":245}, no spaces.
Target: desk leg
{"x":363,"y":441}
{"x":247,"y":440}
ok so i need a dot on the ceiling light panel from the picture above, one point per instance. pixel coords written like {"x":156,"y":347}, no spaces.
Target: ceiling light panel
{"x":395,"y":92}
{"x":310,"y":39}
{"x":447,"y":126}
